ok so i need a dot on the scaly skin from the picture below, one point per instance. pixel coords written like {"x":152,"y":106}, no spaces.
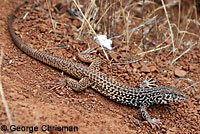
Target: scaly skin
{"x":104,"y":84}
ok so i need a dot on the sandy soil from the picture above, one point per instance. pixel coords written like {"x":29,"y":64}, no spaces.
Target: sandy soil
{"x":27,"y":83}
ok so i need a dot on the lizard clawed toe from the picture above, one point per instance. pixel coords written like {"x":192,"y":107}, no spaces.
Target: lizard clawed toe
{"x":60,"y":85}
{"x":155,"y":121}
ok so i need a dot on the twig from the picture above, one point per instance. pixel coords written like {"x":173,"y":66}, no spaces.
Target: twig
{"x":128,"y":62}
{"x":183,"y":53}
{"x":25,"y":15}
{"x":89,"y":50}
{"x":57,"y":47}
{"x":153,"y":50}
{"x":191,"y":85}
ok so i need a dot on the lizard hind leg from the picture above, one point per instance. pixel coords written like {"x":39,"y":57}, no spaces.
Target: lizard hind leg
{"x":84,"y":82}
{"x":80,"y":85}
{"x":87,"y":58}
{"x":75,"y":85}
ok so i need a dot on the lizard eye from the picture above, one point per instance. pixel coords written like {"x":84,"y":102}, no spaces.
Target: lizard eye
{"x":168,"y":96}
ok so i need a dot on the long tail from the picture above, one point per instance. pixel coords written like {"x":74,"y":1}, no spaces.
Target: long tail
{"x":56,"y":62}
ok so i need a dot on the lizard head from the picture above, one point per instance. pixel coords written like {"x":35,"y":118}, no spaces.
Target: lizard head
{"x":172,"y":94}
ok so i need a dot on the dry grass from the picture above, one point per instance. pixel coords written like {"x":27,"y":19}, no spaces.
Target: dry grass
{"x":90,"y":10}
{"x":103,"y":17}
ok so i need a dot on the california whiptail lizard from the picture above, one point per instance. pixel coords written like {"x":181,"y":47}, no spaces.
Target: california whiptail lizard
{"x":102,"y":83}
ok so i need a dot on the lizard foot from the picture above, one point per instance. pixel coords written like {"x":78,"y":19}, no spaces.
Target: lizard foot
{"x":147,"y":83}
{"x":59,"y":85}
{"x":155,"y":121}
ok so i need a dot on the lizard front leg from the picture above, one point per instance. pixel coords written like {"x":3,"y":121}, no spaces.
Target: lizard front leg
{"x":146,"y":116}
{"x":95,"y":61}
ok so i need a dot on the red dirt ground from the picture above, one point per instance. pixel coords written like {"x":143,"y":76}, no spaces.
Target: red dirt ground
{"x":27,"y":82}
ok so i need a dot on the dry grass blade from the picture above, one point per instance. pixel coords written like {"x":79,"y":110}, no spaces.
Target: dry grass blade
{"x":170,"y":4}
{"x":153,"y":50}
{"x":190,"y":48}
{"x":90,"y":28}
{"x":2,"y":94}
{"x":191,"y":85}
{"x":103,"y":15}
{"x":126,"y":63}
{"x":148,"y":22}
{"x":185,"y":32}
{"x":90,"y":14}
{"x":170,"y":28}
{"x":52,"y":21}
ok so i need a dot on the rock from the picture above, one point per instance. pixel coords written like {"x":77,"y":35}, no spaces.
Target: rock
{"x":114,"y":56}
{"x":153,"y":69}
{"x":145,"y":68}
{"x":179,"y":72}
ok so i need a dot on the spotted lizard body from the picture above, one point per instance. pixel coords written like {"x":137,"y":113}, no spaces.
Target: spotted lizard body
{"x":104,"y":84}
